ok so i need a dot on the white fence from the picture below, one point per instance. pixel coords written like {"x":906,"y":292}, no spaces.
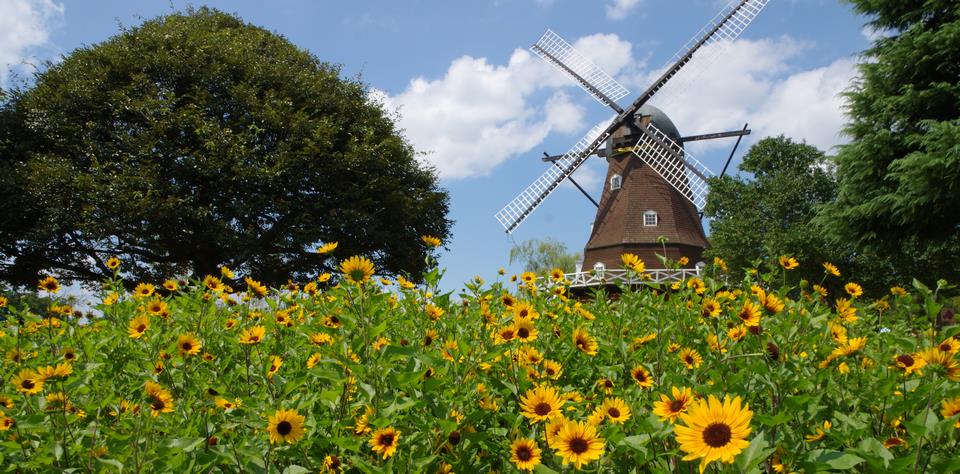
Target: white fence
{"x":621,"y":276}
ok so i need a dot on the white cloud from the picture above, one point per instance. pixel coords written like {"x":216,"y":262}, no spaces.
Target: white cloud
{"x":757,"y":84}
{"x":478,"y":115}
{"x":872,"y":34}
{"x":620,"y":9}
{"x":24,"y":25}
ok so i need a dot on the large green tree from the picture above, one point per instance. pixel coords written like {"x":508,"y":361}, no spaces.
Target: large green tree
{"x":899,"y":194}
{"x":197,"y":140}
{"x":770,"y":213}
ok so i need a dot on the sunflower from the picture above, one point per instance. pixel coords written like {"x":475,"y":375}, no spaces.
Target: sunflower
{"x":6,"y":402}
{"x":313,"y":360}
{"x":949,"y":345}
{"x":321,"y":338}
{"x":640,"y":341}
{"x":506,"y":334}
{"x":950,"y":408}
{"x":894,"y":442}
{"x":691,"y":358}
{"x":642,"y":377}
{"x":616,"y":410}
{"x":749,"y":314}
{"x":143,"y":290}
{"x":943,"y":360}
{"x":52,"y":372}
{"x":113,"y":263}
{"x":327,"y":248}
{"x":256,"y":287}
{"x":525,"y":454}
{"x":28,"y":382}
{"x":357,"y":269}
{"x":528,"y":277}
{"x":524,"y":310}
{"x":831,"y":269}
{"x":773,"y":304}
{"x":226,"y":404}
{"x":853,"y":289}
{"x":49,"y":284}
{"x":788,"y":263}
{"x":714,"y":430}
{"x":584,"y":342}
{"x":384,"y":441}
{"x":552,"y":369}
{"x":632,"y":262}
{"x":430,"y":241}
{"x":710,"y":308}
{"x":507,"y":300}
{"x":541,"y":403}
{"x":821,"y":432}
{"x":171,"y":285}
{"x":578,"y":443}
{"x":526,"y":331}
{"x":188,"y":344}
{"x":434,"y":312}
{"x":898,"y":291}
{"x":252,"y":335}
{"x":285,"y":426}
{"x":910,"y":363}
{"x":820,"y":290}
{"x":275,"y":363}
{"x":161,"y":400}
{"x":6,"y":423}
{"x":557,"y":274}
{"x":670,"y":410}
{"x":157,"y":307}
{"x":138,"y":326}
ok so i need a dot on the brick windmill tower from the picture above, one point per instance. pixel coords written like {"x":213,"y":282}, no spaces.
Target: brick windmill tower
{"x":654,"y":190}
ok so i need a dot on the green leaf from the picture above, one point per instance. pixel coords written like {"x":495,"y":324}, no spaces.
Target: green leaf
{"x":758,"y":450}
{"x":839,"y":460}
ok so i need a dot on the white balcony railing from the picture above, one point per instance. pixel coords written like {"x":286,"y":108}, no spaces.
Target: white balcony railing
{"x":621,"y":276}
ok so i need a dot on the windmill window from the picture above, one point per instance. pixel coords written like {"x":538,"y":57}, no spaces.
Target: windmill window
{"x":615,"y":182}
{"x":650,"y":219}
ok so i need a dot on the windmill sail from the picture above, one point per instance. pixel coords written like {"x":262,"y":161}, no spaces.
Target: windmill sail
{"x":714,"y":43}
{"x":677,"y":167}
{"x":556,"y":51}
{"x":517,"y":210}
{"x":732,"y":21}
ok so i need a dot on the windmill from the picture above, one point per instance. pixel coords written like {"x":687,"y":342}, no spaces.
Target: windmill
{"x":654,"y":191}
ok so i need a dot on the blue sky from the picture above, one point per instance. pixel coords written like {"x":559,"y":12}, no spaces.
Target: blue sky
{"x":470,"y":94}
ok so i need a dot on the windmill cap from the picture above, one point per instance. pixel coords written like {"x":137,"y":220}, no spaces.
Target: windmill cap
{"x":661,"y":121}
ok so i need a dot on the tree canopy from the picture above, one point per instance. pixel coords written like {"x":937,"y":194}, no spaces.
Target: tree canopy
{"x":197,"y":140}
{"x":899,"y":177}
{"x":541,"y":256}
{"x":770,"y":215}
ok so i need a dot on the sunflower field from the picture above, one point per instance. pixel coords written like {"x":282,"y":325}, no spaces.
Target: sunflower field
{"x":351,"y":372}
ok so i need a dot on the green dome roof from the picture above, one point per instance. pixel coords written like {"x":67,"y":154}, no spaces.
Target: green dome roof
{"x":661,"y":121}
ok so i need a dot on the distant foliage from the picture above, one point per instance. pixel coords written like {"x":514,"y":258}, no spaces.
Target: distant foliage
{"x":541,"y":256}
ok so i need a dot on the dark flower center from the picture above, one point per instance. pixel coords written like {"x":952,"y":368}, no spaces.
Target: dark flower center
{"x":524,"y":313}
{"x":550,"y":371}
{"x":945,"y":347}
{"x":542,"y":408}
{"x":454,"y":437}
{"x":284,"y":428}
{"x":386,"y":439}
{"x":688,"y":359}
{"x":427,"y":340}
{"x":523,"y":333}
{"x":608,"y":383}
{"x":523,"y":453}
{"x":508,"y":334}
{"x":69,"y":356}
{"x":254,"y":338}
{"x":158,"y":405}
{"x":141,"y":328}
{"x":716,"y":435}
{"x":27,"y":384}
{"x":578,"y":445}
{"x":613,"y":412}
{"x":187,"y":346}
{"x":676,"y":406}
{"x":906,"y":360}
